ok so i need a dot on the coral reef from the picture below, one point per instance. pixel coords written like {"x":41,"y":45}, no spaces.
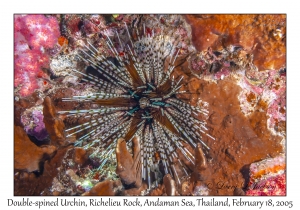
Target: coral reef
{"x":268,"y":177}
{"x":271,"y":90}
{"x":27,"y":156}
{"x":53,"y":124}
{"x":39,"y":183}
{"x":169,"y":184}
{"x":69,"y":180}
{"x":32,"y":121}
{"x":137,"y":95}
{"x":107,"y":187}
{"x":233,"y":66}
{"x":127,"y":165}
{"x":263,"y":35}
{"x":33,"y":35}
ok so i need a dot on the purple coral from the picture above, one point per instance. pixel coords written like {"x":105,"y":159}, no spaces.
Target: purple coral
{"x":35,"y":126}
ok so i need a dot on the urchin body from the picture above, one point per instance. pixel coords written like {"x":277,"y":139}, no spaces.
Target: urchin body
{"x":137,"y":96}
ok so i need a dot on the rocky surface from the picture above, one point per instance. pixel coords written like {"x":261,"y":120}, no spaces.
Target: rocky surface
{"x":239,"y":141}
{"x":263,"y":35}
{"x":107,"y":187}
{"x":128,"y":166}
{"x":247,"y":114}
{"x":28,"y":156}
{"x":54,"y":125}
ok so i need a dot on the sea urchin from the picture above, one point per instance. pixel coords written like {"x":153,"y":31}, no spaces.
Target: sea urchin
{"x":137,"y":96}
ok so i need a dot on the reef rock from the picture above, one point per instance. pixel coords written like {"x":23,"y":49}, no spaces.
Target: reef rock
{"x":169,"y":184}
{"x":27,"y":156}
{"x":139,"y":191}
{"x":127,"y":165}
{"x":80,"y":156}
{"x":107,"y":187}
{"x":53,"y":124}
{"x":200,"y":160}
{"x":263,"y":35}
{"x":268,"y":177}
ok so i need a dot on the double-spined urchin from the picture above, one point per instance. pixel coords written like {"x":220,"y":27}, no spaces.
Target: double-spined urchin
{"x":137,"y":96}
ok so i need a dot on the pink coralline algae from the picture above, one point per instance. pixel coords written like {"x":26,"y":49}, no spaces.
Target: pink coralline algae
{"x":270,"y":186}
{"x":268,"y":177}
{"x":269,"y":86}
{"x":33,"y":35}
{"x":277,"y":113}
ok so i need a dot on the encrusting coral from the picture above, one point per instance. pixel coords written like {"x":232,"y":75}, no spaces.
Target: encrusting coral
{"x":27,"y":156}
{"x":267,"y":177}
{"x":53,"y":123}
{"x":127,"y":165}
{"x":263,"y":35}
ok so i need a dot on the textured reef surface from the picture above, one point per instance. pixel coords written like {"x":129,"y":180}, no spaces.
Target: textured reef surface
{"x":149,"y":104}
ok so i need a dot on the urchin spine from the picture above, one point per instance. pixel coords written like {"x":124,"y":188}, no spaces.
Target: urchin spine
{"x":137,"y":97}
